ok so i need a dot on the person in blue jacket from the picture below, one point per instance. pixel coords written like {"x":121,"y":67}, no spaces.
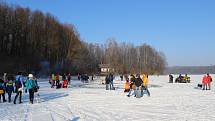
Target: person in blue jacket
{"x":30,"y":84}
{"x":9,"y":89}
{"x":18,"y":87}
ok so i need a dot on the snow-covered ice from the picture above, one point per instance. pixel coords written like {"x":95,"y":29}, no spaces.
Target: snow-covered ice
{"x":91,"y":102}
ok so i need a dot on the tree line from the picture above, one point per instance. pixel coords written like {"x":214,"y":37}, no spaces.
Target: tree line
{"x":127,"y":58}
{"x":28,"y":38}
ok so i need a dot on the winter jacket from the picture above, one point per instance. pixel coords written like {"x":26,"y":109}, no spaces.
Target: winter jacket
{"x":209,"y":78}
{"x":145,"y":80}
{"x":30,"y":84}
{"x":127,"y":86}
{"x":65,"y":83}
{"x":64,"y":77}
{"x":111,"y":77}
{"x":138,"y":82}
{"x":132,"y":82}
{"x":205,"y":80}
{"x":57,"y":77}
{"x":107,"y":80}
{"x":19,"y":82}
{"x":53,"y":77}
{"x":9,"y":87}
{"x":2,"y":88}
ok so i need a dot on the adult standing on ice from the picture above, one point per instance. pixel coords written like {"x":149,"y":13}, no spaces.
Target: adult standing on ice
{"x":209,"y":80}
{"x":18,"y":87}
{"x":107,"y":81}
{"x":204,"y":82}
{"x":57,"y":80}
{"x":53,"y":80}
{"x":138,"y":83}
{"x":145,"y":85}
{"x":30,"y":85}
{"x":171,"y":78}
{"x":69,"y":78}
{"x":2,"y":90}
{"x":111,"y":81}
{"x":10,"y":88}
{"x":132,"y":85}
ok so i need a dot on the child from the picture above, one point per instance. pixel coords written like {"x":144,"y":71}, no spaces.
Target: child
{"x":9,"y":89}
{"x":2,"y":90}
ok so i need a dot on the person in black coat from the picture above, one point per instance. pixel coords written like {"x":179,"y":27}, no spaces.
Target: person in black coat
{"x":138,"y":84}
{"x":107,"y":82}
{"x":138,"y":81}
{"x":171,"y":78}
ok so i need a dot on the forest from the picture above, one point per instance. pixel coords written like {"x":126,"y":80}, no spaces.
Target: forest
{"x":37,"y":42}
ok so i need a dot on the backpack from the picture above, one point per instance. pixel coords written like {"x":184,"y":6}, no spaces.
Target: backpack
{"x":18,"y":83}
{"x":1,"y":86}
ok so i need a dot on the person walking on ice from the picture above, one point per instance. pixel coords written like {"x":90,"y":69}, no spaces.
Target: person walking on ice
{"x":2,"y":90}
{"x":18,"y":88}
{"x":9,"y":89}
{"x":209,"y":80}
{"x":144,"y":88}
{"x":31,"y":85}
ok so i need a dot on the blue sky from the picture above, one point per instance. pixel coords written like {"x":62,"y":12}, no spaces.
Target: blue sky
{"x":182,"y":29}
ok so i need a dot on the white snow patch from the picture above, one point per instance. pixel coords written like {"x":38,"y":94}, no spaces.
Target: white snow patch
{"x":91,"y":102}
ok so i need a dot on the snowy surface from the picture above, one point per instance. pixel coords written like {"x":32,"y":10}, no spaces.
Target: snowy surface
{"x":91,"y":102}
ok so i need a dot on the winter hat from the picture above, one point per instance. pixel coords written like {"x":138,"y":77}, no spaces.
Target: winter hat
{"x":30,"y":76}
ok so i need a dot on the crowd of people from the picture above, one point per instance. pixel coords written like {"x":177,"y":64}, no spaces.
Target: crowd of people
{"x":60,"y":81}
{"x":18,"y":84}
{"x":138,"y":86}
{"x":134,"y":86}
{"x":205,"y":84}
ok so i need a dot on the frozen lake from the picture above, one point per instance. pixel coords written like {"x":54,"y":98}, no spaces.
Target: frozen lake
{"x":91,"y":102}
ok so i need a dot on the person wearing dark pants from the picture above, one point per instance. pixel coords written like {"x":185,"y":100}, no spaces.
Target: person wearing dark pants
{"x":18,"y":93}
{"x":2,"y":90}
{"x":107,"y":82}
{"x":31,"y":95}
{"x":18,"y":87}
{"x":9,"y":96}
{"x":111,"y":78}
{"x":9,"y":89}
{"x":30,"y":85}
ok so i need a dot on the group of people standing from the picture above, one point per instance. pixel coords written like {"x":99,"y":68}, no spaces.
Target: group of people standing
{"x":206,"y":82}
{"x":137,"y":86}
{"x":60,"y":81}
{"x":18,"y":84}
{"x":109,"y":82}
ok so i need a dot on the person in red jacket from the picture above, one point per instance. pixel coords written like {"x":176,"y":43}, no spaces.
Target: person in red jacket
{"x":209,"y":80}
{"x":58,"y":81}
{"x":204,"y":82}
{"x":65,"y":83}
